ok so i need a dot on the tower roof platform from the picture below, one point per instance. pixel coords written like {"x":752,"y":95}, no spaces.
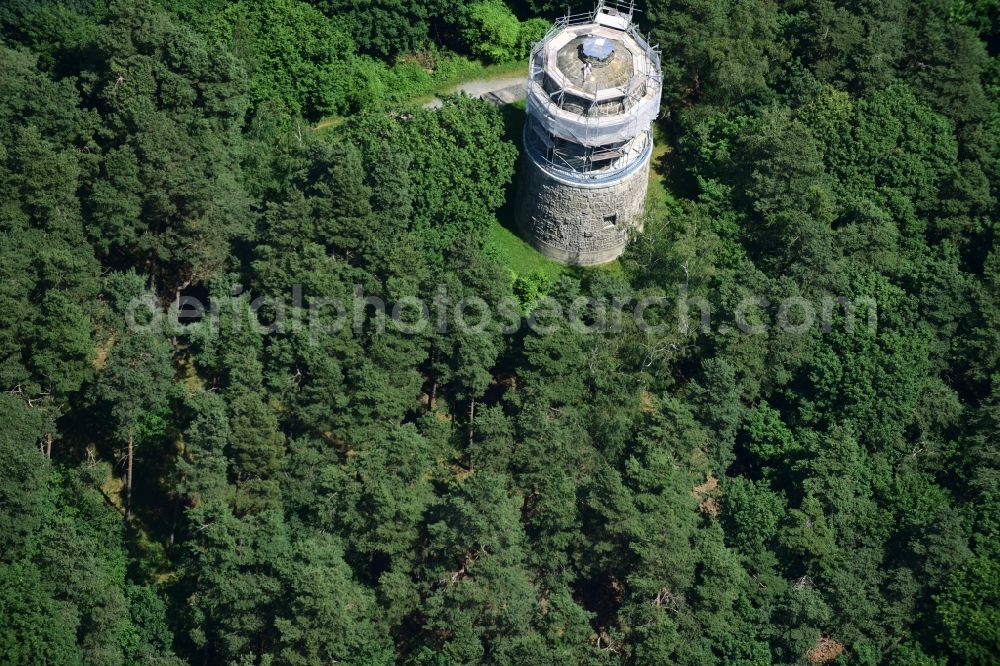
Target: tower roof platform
{"x":565,"y":58}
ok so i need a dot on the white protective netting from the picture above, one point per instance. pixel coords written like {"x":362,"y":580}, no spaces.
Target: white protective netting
{"x":615,"y":115}
{"x":592,"y":131}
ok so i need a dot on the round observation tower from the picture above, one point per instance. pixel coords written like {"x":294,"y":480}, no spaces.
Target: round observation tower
{"x":594,"y":90}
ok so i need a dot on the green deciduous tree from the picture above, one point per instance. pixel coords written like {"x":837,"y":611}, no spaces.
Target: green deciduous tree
{"x":492,"y":31}
{"x":968,"y":610}
{"x":296,"y":57}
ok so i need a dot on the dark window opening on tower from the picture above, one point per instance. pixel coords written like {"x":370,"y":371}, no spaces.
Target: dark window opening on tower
{"x":610,"y":221}
{"x":575,"y":104}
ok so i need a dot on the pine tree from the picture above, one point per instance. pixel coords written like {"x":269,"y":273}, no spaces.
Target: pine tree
{"x":135,"y":386}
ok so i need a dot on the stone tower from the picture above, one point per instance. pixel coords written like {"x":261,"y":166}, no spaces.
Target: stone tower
{"x":594,"y":90}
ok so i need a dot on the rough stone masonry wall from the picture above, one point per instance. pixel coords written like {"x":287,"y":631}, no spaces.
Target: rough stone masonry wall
{"x":569,"y":223}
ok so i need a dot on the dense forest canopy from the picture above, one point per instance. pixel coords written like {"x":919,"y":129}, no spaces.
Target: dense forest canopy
{"x":211,"y":490}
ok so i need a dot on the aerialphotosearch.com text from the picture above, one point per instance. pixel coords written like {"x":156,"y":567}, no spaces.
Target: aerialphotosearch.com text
{"x":442,"y":313}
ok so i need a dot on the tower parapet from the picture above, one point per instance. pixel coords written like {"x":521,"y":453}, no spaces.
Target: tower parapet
{"x":594,"y":89}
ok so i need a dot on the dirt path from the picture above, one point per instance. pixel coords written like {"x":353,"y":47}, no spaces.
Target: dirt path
{"x":498,"y":91}
{"x":505,"y":90}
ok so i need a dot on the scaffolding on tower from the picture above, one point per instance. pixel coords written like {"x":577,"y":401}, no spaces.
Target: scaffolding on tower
{"x":590,"y":123}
